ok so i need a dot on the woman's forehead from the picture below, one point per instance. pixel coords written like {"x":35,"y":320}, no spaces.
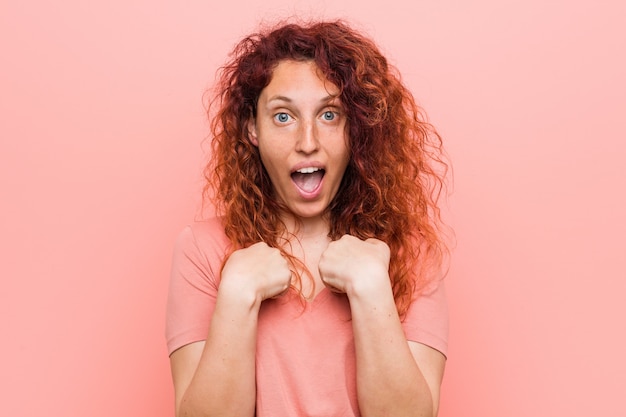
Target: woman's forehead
{"x":292,"y":80}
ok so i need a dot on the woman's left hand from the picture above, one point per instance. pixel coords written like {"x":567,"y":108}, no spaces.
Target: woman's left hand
{"x":356,"y":267}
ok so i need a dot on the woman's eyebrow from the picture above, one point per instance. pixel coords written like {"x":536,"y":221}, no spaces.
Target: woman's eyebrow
{"x":330,"y":99}
{"x":279,"y":98}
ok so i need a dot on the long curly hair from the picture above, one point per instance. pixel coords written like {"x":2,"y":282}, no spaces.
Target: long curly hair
{"x":397,"y":168}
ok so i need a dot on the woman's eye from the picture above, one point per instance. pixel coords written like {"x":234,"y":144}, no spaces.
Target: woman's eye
{"x":282,"y":117}
{"x":329,"y":115}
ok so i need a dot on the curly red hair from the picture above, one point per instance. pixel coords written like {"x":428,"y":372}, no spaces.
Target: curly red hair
{"x":396,"y":169}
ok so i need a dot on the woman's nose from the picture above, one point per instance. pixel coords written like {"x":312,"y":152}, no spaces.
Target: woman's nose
{"x":308,"y":141}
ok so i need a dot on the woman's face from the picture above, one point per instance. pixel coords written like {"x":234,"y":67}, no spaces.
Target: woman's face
{"x":300,"y":131}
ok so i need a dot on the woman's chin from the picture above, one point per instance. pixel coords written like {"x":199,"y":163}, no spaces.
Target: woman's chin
{"x":309,"y":211}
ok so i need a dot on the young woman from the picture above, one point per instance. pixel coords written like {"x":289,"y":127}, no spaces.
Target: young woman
{"x":316,"y":291}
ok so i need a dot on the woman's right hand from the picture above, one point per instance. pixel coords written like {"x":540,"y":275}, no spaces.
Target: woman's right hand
{"x":259,"y":271}
{"x":216,"y":376}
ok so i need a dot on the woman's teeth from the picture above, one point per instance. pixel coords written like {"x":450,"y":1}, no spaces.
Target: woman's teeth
{"x":308,"y":170}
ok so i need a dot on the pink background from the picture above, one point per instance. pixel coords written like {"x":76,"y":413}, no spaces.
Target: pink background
{"x":100,"y":158}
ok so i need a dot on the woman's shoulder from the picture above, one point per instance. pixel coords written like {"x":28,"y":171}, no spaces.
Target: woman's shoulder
{"x":206,"y":237}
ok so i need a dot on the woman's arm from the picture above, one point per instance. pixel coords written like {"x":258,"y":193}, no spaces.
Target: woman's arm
{"x":217,"y":377}
{"x":394,"y":377}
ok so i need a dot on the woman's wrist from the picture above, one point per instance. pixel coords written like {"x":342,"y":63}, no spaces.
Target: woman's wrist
{"x":238,"y":295}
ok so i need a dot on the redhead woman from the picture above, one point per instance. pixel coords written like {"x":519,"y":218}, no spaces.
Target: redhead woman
{"x":317,"y":290}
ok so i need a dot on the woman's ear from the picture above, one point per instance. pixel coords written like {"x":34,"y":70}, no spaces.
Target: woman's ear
{"x":252,"y":137}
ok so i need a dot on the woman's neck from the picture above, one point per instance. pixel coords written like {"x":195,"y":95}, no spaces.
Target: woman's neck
{"x":307,"y":228}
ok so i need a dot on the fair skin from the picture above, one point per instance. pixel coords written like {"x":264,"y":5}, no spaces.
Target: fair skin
{"x":300,"y":133}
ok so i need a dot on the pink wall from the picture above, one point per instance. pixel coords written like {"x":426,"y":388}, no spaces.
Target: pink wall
{"x":101,"y":124}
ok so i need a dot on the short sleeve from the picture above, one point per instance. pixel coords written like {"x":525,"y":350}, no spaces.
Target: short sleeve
{"x":426,"y":320}
{"x":194,"y":279}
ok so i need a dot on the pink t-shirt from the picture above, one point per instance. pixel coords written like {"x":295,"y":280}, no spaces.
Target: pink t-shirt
{"x":305,"y":360}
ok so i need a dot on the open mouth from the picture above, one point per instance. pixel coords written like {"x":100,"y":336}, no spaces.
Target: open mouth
{"x":308,"y":179}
